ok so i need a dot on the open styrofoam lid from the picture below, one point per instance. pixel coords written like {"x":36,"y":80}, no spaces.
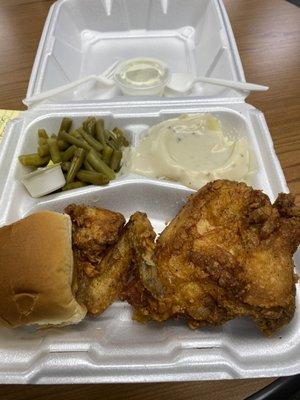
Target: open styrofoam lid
{"x":85,"y":38}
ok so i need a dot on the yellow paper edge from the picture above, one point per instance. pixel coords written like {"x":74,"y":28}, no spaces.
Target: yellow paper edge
{"x":5,"y":117}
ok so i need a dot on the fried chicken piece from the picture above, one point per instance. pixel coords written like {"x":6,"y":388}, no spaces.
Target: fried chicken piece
{"x":95,"y":231}
{"x":143,"y":288}
{"x":103,"y":253}
{"x":227,"y":254}
{"x":105,"y":287}
{"x":115,"y":271}
{"x":115,"y":268}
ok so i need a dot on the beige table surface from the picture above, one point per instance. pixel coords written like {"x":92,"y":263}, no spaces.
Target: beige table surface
{"x":267,"y":33}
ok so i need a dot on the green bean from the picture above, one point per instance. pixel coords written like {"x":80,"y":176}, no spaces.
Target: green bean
{"x":90,"y":140}
{"x":75,"y":133}
{"x":115,"y":160}
{"x":101,"y":138}
{"x":86,"y":121}
{"x":99,"y":165}
{"x":76,"y":141}
{"x":91,"y":128}
{"x":62,"y":145}
{"x":73,"y":185}
{"x":42,"y":141}
{"x":99,"y":130}
{"x":121,"y":137}
{"x":92,"y":177}
{"x":43,"y":150}
{"x":66,"y":165}
{"x":107,"y":153}
{"x":33,"y":160}
{"x":89,"y":125}
{"x":65,"y":125}
{"x":76,"y":164}
{"x":82,"y":139}
{"x":88,"y":166}
{"x":42,"y":134}
{"x":69,"y":153}
{"x":54,"y":150}
{"x":112,"y":140}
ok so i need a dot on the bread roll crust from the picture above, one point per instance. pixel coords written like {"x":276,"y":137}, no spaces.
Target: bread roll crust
{"x":36,"y":268}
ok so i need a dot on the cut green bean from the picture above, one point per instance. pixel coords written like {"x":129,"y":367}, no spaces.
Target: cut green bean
{"x":89,"y":154}
{"x":99,"y":131}
{"x":91,"y":128}
{"x":54,"y":150}
{"x":33,"y":160}
{"x":76,"y":141}
{"x":84,"y":141}
{"x":66,"y":165}
{"x":99,"y":165}
{"x":75,"y":133}
{"x":90,"y":140}
{"x":115,"y":160}
{"x":62,"y":145}
{"x":121,"y":137}
{"x":65,"y":125}
{"x":69,"y":153}
{"x":95,"y":178}
{"x":89,"y":125}
{"x":74,"y":185}
{"x":43,"y":150}
{"x":42,"y":141}
{"x":107,"y":153}
{"x":88,"y":166}
{"x":87,"y":120}
{"x":112,"y":139}
{"x":76,"y":164}
{"x":42,"y":134}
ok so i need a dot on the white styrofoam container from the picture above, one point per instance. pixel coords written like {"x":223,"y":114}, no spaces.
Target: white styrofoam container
{"x":112,"y":347}
{"x":85,"y":37}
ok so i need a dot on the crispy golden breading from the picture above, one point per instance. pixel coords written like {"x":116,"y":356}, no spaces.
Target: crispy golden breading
{"x":227,"y":254}
{"x":95,"y":231}
{"x":143,"y":288}
{"x":105,"y":288}
{"x":102,"y":254}
{"x":116,"y":267}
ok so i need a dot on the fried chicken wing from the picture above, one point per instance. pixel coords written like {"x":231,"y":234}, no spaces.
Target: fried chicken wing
{"x":115,"y":269}
{"x":227,"y":254}
{"x":143,"y":287}
{"x":98,"y":264}
{"x":105,"y":287}
{"x":103,"y":253}
{"x":94,"y":230}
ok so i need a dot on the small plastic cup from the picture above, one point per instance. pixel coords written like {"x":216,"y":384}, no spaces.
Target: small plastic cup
{"x":44,"y":181}
{"x":142,"y":77}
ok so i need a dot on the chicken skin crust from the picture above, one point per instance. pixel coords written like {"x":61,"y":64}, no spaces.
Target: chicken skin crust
{"x":99,"y":263}
{"x":228,"y":253}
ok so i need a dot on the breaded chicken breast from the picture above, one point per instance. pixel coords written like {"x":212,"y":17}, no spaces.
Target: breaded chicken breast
{"x":228,"y":253}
